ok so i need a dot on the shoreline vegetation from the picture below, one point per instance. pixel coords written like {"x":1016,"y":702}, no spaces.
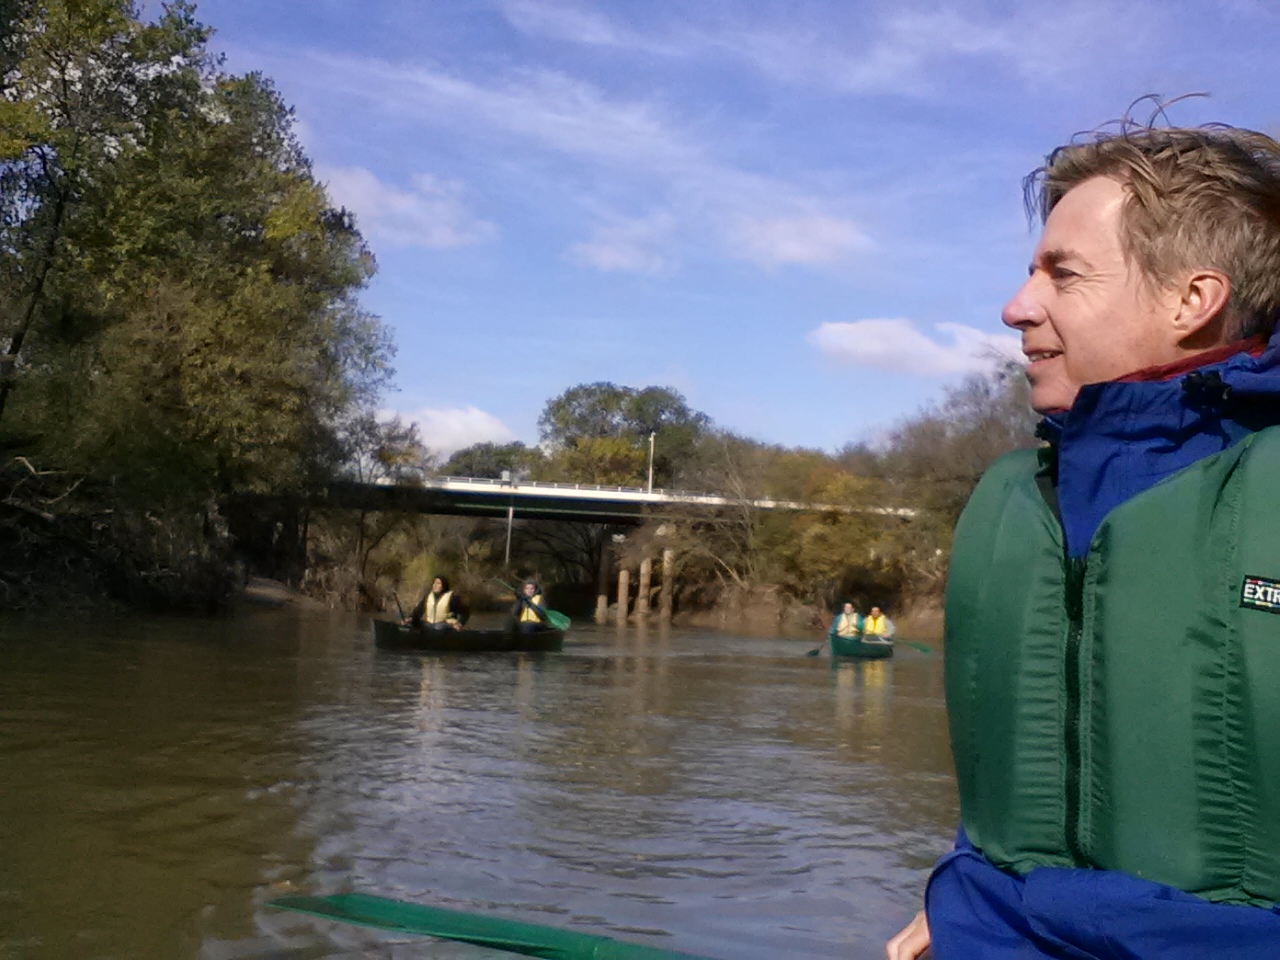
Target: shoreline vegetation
{"x":185,"y":363}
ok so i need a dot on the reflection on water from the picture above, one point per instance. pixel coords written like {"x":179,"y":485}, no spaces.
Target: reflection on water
{"x":728,"y":796}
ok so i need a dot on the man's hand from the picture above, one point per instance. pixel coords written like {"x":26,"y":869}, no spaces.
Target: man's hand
{"x":911,"y":941}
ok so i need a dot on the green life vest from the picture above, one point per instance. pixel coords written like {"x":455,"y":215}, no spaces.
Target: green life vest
{"x":1122,"y":711}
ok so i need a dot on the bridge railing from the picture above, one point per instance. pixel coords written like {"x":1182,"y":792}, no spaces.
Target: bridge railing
{"x":555,"y":485}
{"x":438,"y":480}
{"x":657,"y":495}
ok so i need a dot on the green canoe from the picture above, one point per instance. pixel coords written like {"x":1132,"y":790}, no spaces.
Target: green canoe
{"x":866,"y":648}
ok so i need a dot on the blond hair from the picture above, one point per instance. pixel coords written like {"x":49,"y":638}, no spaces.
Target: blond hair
{"x":1196,"y":198}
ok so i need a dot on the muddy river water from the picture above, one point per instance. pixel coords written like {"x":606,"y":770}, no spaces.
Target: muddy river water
{"x":162,"y":779}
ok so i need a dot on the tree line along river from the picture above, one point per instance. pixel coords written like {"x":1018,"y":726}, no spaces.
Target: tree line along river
{"x":162,"y":779}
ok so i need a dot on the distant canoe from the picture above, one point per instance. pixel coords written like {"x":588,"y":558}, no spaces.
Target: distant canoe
{"x":866,"y":648}
{"x":389,"y":635}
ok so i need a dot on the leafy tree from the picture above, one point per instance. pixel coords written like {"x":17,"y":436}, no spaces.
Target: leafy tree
{"x":936,"y":457}
{"x":606,"y":461}
{"x":187,"y":296}
{"x":600,"y":411}
{"x":490,"y":460}
{"x":374,"y":451}
{"x":178,"y":300}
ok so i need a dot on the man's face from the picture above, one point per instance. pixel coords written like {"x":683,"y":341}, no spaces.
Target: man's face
{"x":1085,"y":313}
{"x":875,"y":611}
{"x":848,"y":608}
{"x":437,"y":585}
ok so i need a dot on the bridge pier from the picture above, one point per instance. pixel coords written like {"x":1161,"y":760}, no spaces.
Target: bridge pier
{"x":668,"y":575}
{"x":602,"y":589}
{"x":624,"y":594}
{"x":642,"y":598}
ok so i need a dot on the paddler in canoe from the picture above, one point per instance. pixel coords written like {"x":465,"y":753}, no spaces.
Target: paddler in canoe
{"x":876,"y":624}
{"x":439,"y":608}
{"x":528,"y":613}
{"x":847,"y":623}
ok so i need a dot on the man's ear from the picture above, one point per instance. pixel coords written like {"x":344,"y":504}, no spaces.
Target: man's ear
{"x":1202,"y":309}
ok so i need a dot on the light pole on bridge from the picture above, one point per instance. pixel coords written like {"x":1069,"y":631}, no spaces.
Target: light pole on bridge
{"x":652,"y":436}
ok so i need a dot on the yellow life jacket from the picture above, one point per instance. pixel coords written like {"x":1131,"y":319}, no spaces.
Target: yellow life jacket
{"x":436,"y":609}
{"x":526,"y":612}
{"x":847,"y":625}
{"x":876,"y":626}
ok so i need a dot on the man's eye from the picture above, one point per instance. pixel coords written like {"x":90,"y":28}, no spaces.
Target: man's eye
{"x":1062,"y":273}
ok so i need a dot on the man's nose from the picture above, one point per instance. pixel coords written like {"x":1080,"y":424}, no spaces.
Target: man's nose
{"x":1024,"y":308}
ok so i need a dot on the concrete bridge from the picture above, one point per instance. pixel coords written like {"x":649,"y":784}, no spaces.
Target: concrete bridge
{"x":477,"y":497}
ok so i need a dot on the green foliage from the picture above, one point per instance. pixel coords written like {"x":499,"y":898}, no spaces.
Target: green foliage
{"x":607,"y":461}
{"x":850,"y":546}
{"x":178,"y":300}
{"x":858,"y":548}
{"x":490,"y":460}
{"x":592,"y":412}
{"x":185,"y":297}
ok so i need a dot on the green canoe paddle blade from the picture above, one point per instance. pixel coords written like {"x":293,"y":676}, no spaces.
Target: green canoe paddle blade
{"x":529,"y":939}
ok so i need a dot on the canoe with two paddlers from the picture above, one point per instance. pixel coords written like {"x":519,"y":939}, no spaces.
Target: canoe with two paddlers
{"x":390,"y":635}
{"x":865,"y":647}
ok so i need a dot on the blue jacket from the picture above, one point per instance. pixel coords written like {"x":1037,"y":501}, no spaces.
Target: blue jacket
{"x":1117,"y":440}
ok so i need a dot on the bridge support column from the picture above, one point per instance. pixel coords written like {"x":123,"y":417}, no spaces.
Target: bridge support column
{"x":624,"y":594}
{"x":602,"y":588}
{"x":642,"y":598}
{"x":668,"y":576}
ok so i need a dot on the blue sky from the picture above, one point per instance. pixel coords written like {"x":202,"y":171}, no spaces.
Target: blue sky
{"x":805,"y":215}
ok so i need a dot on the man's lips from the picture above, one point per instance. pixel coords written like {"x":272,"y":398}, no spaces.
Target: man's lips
{"x":1038,"y":356}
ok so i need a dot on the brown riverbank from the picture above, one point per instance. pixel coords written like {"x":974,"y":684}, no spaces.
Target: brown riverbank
{"x":263,"y":592}
{"x":766,"y":610}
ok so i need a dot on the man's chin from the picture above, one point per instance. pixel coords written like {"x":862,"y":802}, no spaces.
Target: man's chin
{"x":1046,"y":401}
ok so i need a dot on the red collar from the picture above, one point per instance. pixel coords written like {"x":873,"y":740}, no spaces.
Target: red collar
{"x":1167,"y":371}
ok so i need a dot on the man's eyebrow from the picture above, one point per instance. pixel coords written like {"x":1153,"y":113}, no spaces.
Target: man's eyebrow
{"x":1058,"y":256}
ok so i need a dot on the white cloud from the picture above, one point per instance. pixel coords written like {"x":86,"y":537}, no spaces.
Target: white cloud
{"x":544,"y":106}
{"x":563,"y":21}
{"x":897,"y":345}
{"x":627,"y":147}
{"x":898,"y":51}
{"x":430,"y":213}
{"x":447,"y":430}
{"x":626,"y":246}
{"x":816,"y":240}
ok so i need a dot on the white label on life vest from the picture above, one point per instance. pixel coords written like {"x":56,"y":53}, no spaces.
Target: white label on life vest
{"x":1259,"y":593}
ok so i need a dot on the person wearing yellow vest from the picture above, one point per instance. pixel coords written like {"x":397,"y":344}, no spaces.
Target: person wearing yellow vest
{"x":528,"y":611}
{"x":876,"y":624}
{"x":847,"y":623}
{"x":439,"y":608}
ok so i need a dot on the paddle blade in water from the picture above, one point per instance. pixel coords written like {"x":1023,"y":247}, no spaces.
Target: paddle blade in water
{"x":558,"y":621}
{"x":527,"y":939}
